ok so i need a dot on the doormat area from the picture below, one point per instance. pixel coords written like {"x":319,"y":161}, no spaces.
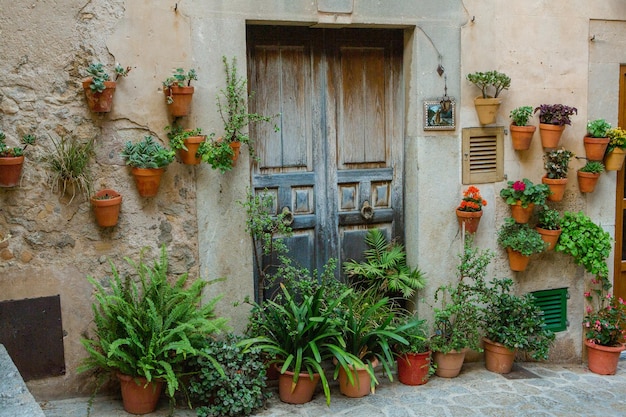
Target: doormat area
{"x":520,"y":373}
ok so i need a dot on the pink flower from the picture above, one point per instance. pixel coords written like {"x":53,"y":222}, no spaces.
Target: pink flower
{"x":608,"y":296}
{"x":589,"y":310}
{"x":621,"y":301}
{"x":594,"y":281}
{"x":587,"y":293}
{"x":519,"y":186}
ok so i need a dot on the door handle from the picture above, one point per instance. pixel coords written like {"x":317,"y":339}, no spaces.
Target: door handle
{"x":367,"y":211}
{"x":287,"y":216}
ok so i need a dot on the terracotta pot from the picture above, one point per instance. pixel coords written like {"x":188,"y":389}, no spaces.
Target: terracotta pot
{"x":99,"y":102}
{"x":550,"y":135}
{"x":10,"y":170}
{"x":300,"y":393}
{"x":449,"y":364}
{"x":603,"y":360}
{"x":236,"y":147}
{"x":549,"y":236}
{"x":521,"y":136}
{"x":487,"y":109}
{"x":471,"y":219}
{"x":107,"y":210}
{"x":557,"y":187}
{"x":521,"y":214}
{"x":587,"y":181}
{"x":147,"y":180}
{"x":413,"y":368}
{"x":595,"y":148}
{"x":192,"y":143}
{"x":517,"y":261}
{"x":182,"y":100}
{"x":139,"y":396}
{"x":362,"y":385}
{"x":498,"y":358}
{"x":614,"y":160}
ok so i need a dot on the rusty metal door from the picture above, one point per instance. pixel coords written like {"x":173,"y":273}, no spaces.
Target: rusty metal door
{"x":336,"y":163}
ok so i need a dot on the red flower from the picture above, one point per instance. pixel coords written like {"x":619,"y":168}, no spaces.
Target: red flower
{"x":519,"y":186}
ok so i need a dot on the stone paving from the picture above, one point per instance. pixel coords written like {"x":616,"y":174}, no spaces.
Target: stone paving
{"x":555,"y":390}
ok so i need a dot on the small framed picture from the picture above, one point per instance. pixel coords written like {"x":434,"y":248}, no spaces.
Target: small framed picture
{"x":439,"y":115}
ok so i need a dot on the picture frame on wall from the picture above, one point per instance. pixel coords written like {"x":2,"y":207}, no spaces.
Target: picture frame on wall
{"x":439,"y":115}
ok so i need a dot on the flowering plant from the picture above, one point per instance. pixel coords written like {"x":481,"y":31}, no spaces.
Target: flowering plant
{"x":525,"y":192}
{"x":617,"y":139}
{"x":472,"y":200}
{"x":603,"y":325}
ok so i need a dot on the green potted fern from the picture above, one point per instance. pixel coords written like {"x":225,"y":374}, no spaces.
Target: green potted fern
{"x":146,"y":326}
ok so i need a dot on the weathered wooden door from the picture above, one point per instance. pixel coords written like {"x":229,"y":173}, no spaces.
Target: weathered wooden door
{"x":619,"y":278}
{"x":336,"y":163}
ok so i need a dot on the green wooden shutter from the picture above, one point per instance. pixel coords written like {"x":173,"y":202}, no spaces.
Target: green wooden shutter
{"x":553,"y":303}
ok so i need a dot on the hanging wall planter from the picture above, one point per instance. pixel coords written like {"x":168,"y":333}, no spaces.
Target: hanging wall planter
{"x":10,"y":170}
{"x":614,"y":160}
{"x":179,"y":92}
{"x":522,"y":136}
{"x":106,"y":206}
{"x":552,"y":121}
{"x":520,"y":213}
{"x":557,"y":187}
{"x":550,"y":135}
{"x":487,"y":105}
{"x":99,"y":88}
{"x":148,"y":159}
{"x":549,"y":236}
{"x":595,"y":148}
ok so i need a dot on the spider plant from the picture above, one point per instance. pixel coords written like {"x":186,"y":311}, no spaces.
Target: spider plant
{"x":68,"y":163}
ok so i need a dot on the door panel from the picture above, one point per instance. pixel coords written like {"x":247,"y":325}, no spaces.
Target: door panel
{"x":336,"y":163}
{"x":619,"y":279}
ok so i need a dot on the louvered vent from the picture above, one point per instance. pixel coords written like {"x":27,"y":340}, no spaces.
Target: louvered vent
{"x":553,"y":303}
{"x":483,"y":154}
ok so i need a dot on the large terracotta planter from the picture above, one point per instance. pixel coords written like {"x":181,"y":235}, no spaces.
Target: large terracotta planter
{"x":603,"y":360}
{"x":11,"y":170}
{"x":521,"y":214}
{"x":147,"y":180}
{"x":498,"y":358}
{"x":550,"y":135}
{"x":595,"y":148}
{"x":181,"y":104}
{"x":139,"y":396}
{"x":99,"y":102}
{"x":362,"y":385}
{"x":521,"y":136}
{"x":413,"y":368}
{"x":614,"y":160}
{"x":106,"y":206}
{"x":300,"y":393}
{"x":449,"y":364}
{"x":471,"y":220}
{"x":557,"y":187}
{"x":487,"y":109}
{"x":517,"y":261}
{"x":549,"y":236}
{"x":587,"y":181}
{"x":192,"y":143}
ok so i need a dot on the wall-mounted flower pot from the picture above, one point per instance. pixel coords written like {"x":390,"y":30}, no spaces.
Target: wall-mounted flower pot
{"x":192,"y":144}
{"x":521,"y":136}
{"x":521,"y":214}
{"x":517,"y":261}
{"x":10,"y":170}
{"x":550,"y":135}
{"x":487,"y":109}
{"x":471,"y":219}
{"x":106,"y":206}
{"x":147,"y":180}
{"x":99,"y":102}
{"x":549,"y":236}
{"x":236,"y":147}
{"x":614,"y":160}
{"x":181,"y":96}
{"x":587,"y":181}
{"x":595,"y":148}
{"x":557,"y":187}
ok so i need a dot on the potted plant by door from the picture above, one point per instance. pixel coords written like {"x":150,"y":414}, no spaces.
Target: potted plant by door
{"x":556,"y":163}
{"x":470,"y":210}
{"x":616,"y":150}
{"x":414,"y":358}
{"x":522,"y":197}
{"x":146,"y":327}
{"x":148,"y":160}
{"x":549,"y":227}
{"x":596,"y":140}
{"x":486,"y":105}
{"x":521,"y":132}
{"x":603,"y":326}
{"x":106,"y":207}
{"x":99,"y":88}
{"x":186,"y":143}
{"x":588,"y":176}
{"x":12,"y":160}
{"x":552,"y":121}
{"x":179,"y":91}
{"x":512,"y":323}
{"x":520,"y":241}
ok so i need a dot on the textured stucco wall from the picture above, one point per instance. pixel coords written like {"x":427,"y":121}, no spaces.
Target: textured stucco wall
{"x":54,"y":245}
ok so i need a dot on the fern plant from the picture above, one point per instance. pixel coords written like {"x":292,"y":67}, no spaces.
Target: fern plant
{"x":384,"y":271}
{"x":146,"y":326}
